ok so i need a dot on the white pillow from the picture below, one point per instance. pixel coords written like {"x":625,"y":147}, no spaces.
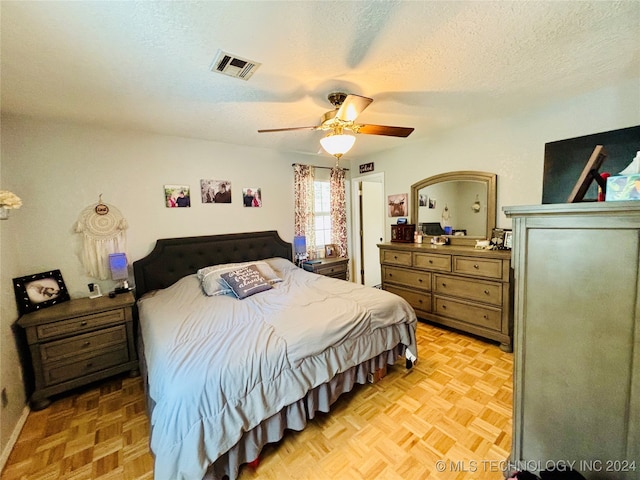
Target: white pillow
{"x":213,"y":285}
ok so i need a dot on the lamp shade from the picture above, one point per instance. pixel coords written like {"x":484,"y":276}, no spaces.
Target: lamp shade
{"x":299,"y":245}
{"x":337,"y":145}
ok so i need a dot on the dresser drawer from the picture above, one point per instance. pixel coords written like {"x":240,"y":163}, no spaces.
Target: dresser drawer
{"x":418,"y":300}
{"x":487,"y":317}
{"x":409,"y":278}
{"x":80,"y":324}
{"x":431,"y":261}
{"x":83,"y":344}
{"x":395,"y":257}
{"x":486,"y":292}
{"x":478,"y":267}
{"x":62,"y":371}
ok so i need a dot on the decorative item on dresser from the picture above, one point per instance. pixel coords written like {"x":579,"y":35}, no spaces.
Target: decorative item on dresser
{"x":455,"y":286}
{"x":402,"y":233}
{"x":329,"y":267}
{"x":78,"y":342}
{"x":577,"y":333}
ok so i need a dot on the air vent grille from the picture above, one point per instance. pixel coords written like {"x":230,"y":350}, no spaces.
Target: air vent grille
{"x":233,"y":65}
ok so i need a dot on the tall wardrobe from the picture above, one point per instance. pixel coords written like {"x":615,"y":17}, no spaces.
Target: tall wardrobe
{"x":577,"y":337}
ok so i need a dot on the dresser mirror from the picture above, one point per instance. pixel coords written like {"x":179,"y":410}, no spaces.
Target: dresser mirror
{"x":460,"y":206}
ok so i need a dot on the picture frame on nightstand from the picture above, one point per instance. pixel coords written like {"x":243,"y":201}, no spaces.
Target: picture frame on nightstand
{"x":331,"y":250}
{"x":40,"y":290}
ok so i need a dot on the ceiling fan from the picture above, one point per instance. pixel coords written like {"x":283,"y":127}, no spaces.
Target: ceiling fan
{"x":341,"y":118}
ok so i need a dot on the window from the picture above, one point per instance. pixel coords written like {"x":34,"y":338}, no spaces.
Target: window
{"x":322,"y":210}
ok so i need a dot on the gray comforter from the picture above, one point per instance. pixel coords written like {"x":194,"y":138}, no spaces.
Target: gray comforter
{"x":218,"y":366}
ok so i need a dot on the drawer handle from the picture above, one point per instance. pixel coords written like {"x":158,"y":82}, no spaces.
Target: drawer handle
{"x":485,"y":316}
{"x":83,"y":323}
{"x":444,"y":307}
{"x":430,"y":261}
{"x":390,"y":275}
{"x":444,"y":284}
{"x":476,"y":266}
{"x":86,"y":344}
{"x":395,"y":257}
{"x":89,"y":365}
{"x":486,"y":292}
{"x":419,"y":280}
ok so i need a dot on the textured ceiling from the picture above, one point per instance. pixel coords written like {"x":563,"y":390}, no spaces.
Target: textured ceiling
{"x":429,"y":65}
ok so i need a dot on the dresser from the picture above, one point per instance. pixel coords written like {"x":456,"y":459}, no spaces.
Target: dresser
{"x":577,"y":337}
{"x":329,"y":267}
{"x":457,"y":286}
{"x":78,"y":342}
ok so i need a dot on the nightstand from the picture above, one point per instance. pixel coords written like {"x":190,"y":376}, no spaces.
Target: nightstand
{"x":78,"y":342}
{"x":329,"y":267}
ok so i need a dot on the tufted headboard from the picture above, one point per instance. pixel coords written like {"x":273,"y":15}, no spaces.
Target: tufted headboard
{"x":174,"y":258}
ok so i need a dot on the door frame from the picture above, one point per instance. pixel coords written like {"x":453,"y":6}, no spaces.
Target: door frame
{"x":356,"y":231}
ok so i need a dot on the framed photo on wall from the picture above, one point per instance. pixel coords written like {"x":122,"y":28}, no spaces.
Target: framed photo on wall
{"x":40,"y":290}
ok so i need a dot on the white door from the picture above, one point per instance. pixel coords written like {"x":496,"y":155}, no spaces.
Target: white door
{"x":369,"y":218}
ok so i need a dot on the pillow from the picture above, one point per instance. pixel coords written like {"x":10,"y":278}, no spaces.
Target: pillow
{"x":246,"y":281}
{"x":213,"y":285}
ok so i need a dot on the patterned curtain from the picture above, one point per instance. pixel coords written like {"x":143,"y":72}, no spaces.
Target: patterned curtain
{"x":338,"y":211}
{"x":304,"y":218}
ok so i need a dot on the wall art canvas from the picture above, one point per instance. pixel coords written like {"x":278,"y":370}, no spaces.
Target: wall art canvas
{"x":252,"y":197}
{"x":215,"y":191}
{"x":177,"y":196}
{"x":398,"y":205}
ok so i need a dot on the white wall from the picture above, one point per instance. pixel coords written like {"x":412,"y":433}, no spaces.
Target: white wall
{"x":59,"y":169}
{"x":512,"y":147}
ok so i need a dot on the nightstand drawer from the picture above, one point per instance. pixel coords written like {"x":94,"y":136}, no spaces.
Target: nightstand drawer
{"x":80,"y":324}
{"x":478,"y":267}
{"x":421,"y":280}
{"x":63,"y":371}
{"x":83,"y":344}
{"x":481,"y":291}
{"x":432,"y":262}
{"x":331,"y":270}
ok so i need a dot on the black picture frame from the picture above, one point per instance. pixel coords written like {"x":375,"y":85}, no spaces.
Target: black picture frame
{"x":40,"y":290}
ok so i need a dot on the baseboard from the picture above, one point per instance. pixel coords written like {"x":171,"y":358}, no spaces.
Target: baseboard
{"x":14,"y":437}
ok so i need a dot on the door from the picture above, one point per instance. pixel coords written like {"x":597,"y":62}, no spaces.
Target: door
{"x":368,"y":228}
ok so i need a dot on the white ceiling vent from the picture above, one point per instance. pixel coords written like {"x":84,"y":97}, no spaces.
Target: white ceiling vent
{"x":233,"y":65}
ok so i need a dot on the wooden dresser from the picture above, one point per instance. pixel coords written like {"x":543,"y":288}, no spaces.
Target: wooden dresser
{"x":329,"y":267}
{"x":577,"y":337}
{"x":78,"y":342}
{"x":457,"y":286}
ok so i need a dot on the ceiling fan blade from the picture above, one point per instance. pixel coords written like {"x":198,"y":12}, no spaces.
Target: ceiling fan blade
{"x":352,"y":106}
{"x":287,"y":129}
{"x":385,"y":130}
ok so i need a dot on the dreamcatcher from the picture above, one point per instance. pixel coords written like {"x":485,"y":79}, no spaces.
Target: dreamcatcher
{"x":103,"y":229}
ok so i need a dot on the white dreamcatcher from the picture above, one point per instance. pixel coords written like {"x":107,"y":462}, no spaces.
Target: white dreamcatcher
{"x":104,"y":231}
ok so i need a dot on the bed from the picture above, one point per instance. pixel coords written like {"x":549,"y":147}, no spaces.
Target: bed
{"x":225,"y":376}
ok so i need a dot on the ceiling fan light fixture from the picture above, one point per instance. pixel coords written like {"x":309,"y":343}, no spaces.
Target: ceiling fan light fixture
{"x":337,"y":144}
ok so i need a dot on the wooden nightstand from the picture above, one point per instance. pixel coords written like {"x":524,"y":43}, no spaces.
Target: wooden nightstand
{"x":78,"y":342}
{"x":329,"y":267}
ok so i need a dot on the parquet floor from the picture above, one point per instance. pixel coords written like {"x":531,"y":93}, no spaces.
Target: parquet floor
{"x":447,"y":418}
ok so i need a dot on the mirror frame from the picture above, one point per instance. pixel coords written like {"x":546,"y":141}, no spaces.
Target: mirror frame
{"x":490,"y":179}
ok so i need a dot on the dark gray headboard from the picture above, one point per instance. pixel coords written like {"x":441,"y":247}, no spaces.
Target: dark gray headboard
{"x":174,"y":258}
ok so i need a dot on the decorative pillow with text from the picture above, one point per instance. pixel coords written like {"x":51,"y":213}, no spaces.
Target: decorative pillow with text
{"x":246,"y":281}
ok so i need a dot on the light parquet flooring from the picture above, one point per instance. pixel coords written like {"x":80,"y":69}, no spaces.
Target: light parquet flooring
{"x":447,"y":418}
